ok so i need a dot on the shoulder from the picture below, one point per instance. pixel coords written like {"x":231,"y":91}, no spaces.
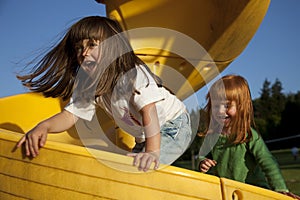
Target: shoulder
{"x":143,"y":70}
{"x":255,"y":134}
{"x":144,"y":77}
{"x":256,"y":141}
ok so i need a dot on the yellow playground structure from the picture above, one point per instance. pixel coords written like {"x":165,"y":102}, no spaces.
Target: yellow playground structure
{"x":167,"y":35}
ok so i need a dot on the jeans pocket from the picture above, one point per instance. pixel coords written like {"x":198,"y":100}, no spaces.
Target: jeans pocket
{"x":172,"y":127}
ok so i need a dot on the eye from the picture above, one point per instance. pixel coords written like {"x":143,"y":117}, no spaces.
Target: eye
{"x":78,"y":48}
{"x":216,"y":107}
{"x":93,"y":43}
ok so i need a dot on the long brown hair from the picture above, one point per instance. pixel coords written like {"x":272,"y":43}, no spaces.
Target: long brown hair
{"x":55,"y":74}
{"x":233,"y":88}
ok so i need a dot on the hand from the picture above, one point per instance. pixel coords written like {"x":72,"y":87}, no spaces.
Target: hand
{"x":206,"y":164}
{"x":34,"y":139}
{"x":290,"y":195}
{"x":144,"y":160}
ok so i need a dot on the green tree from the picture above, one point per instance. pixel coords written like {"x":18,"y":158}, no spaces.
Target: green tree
{"x":261,"y":109}
{"x":277,"y":104}
{"x":268,"y":109}
{"x":290,"y":116}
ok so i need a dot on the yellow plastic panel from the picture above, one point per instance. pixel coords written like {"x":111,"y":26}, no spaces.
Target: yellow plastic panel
{"x":64,"y":171}
{"x":240,"y":191}
{"x":22,"y":112}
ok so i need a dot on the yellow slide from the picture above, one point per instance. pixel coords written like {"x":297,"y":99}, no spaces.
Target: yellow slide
{"x":189,"y":41}
{"x":173,"y":38}
{"x":67,"y":170}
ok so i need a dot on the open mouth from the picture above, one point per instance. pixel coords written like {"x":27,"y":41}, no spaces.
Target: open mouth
{"x":89,"y":66}
{"x":223,"y":117}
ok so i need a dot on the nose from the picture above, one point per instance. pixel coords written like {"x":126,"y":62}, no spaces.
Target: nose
{"x":82,"y":54}
{"x":223,"y":108}
{"x":85,"y":52}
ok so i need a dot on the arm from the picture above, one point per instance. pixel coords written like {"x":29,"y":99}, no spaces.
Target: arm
{"x":152,"y":131}
{"x":36,"y":137}
{"x":151,"y":127}
{"x":204,"y":163}
{"x":270,"y":167}
{"x":267,"y":162}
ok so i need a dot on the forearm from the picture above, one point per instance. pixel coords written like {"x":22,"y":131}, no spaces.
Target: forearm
{"x":153,"y":143}
{"x":59,"y":122}
{"x":151,"y":128}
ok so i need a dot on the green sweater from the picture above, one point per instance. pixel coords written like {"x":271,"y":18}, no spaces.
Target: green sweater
{"x":250,"y":163}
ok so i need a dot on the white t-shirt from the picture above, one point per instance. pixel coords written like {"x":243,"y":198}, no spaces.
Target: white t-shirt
{"x":125,"y":104}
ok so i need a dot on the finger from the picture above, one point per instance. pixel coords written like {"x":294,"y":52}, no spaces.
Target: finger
{"x":205,"y":168}
{"x":148,"y":163}
{"x":35,"y":142}
{"x":30,"y":146}
{"x":27,"y":151}
{"x":209,"y":163}
{"x":143,"y":160}
{"x":43,"y":140}
{"x":21,"y":141}
{"x":212,"y":163}
{"x":131,"y":154}
{"x":156,"y":164}
{"x":206,"y":164}
{"x":204,"y":171}
{"x":134,"y":158}
{"x":35,"y":145}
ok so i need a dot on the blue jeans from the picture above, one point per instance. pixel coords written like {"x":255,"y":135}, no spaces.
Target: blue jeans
{"x":176,"y":136}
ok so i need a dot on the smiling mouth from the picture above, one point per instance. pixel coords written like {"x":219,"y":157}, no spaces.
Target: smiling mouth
{"x":223,"y":117}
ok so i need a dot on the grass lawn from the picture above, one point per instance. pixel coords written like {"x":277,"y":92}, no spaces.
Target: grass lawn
{"x":290,"y":169}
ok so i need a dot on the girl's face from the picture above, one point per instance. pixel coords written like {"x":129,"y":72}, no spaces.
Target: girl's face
{"x":224,"y":112}
{"x":88,"y":53}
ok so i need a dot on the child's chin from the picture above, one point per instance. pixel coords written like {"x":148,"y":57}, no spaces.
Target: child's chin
{"x":89,"y":71}
{"x":224,"y":122}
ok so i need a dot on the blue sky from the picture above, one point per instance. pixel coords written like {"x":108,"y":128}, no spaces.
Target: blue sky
{"x":27,"y":26}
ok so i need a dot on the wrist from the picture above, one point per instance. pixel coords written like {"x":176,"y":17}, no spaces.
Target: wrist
{"x":153,"y":143}
{"x":43,"y":126}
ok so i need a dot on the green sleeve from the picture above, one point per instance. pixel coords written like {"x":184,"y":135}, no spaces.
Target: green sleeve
{"x":200,"y":157}
{"x":267,"y":162}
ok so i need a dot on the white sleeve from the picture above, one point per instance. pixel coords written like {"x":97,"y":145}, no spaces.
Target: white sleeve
{"x":85,"y":112}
